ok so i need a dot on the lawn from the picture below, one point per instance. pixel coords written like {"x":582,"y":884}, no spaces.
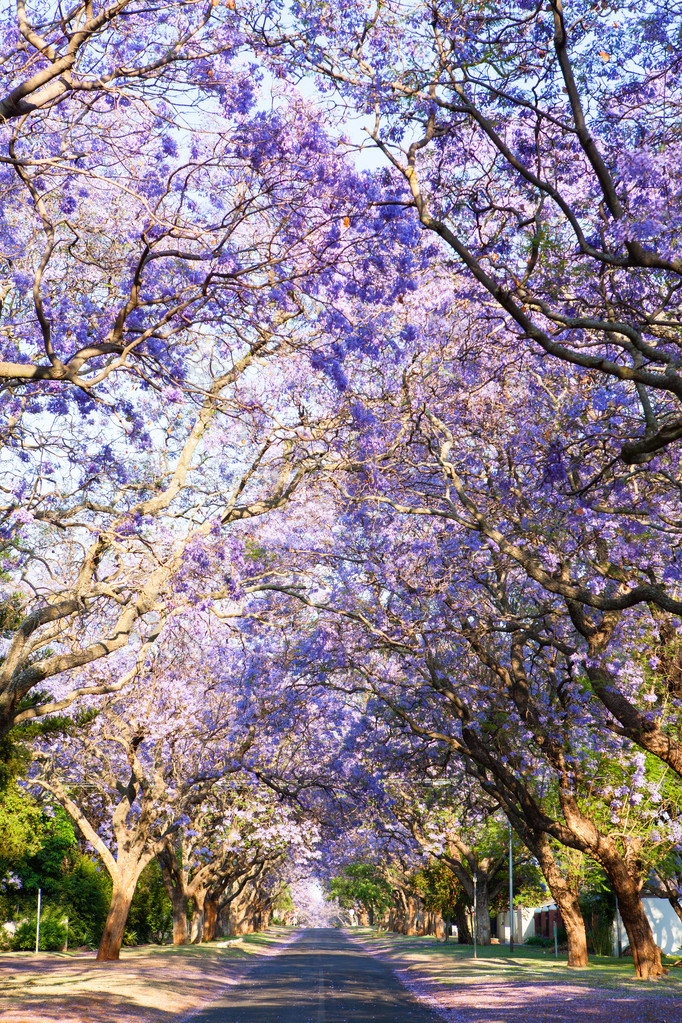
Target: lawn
{"x":499,"y":987}
{"x":149,"y":984}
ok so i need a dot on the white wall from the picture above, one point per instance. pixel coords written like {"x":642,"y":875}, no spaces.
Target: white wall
{"x":665,"y":925}
{"x":524,"y":925}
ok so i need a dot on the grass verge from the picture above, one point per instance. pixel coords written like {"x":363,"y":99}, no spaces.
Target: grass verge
{"x":449,"y":964}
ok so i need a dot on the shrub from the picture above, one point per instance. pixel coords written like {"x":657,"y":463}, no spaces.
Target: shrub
{"x":52,"y":933}
{"x":85,"y":896}
{"x":151,"y":912}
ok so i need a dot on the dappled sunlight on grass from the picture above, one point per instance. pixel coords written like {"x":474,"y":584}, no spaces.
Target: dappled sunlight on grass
{"x":449,"y":965}
{"x":150,"y":983}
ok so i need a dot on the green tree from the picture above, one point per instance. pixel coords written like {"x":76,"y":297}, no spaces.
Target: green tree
{"x":151,"y":912}
{"x":362,"y":884}
{"x":442,"y":892}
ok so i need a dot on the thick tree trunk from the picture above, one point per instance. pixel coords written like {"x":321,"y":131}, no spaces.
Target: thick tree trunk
{"x":236,"y":915}
{"x":180,"y":900}
{"x":175,"y":883}
{"x":573,"y":921}
{"x":645,"y":951}
{"x":112,"y":938}
{"x":463,"y":933}
{"x":483,"y":912}
{"x":400,"y":912}
{"x":565,"y":898}
{"x":412,"y":921}
{"x":197,"y":931}
{"x":210,"y":919}
{"x":222,"y":927}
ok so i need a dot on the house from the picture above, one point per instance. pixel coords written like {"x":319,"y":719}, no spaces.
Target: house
{"x":524,"y":922}
{"x":665,"y":925}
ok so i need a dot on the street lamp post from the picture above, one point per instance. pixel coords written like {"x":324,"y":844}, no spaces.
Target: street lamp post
{"x":511,"y":892}
{"x":38,"y":923}
{"x":475,"y":917}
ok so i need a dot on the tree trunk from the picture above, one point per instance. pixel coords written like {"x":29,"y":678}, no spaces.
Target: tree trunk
{"x":238,"y":906}
{"x":399,"y":912}
{"x":645,"y":951}
{"x":180,"y":900}
{"x":112,"y":938}
{"x":463,"y":932}
{"x":572,"y":919}
{"x":566,"y":899}
{"x":412,"y":921}
{"x":483,"y":912}
{"x":222,"y":927}
{"x":175,"y":883}
{"x":197,"y":931}
{"x":210,"y":919}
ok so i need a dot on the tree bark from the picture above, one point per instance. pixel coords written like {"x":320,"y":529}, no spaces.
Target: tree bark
{"x":412,"y":919}
{"x":174,"y":880}
{"x":399,"y":923}
{"x":463,"y":933}
{"x":483,"y":912}
{"x":197,"y":931}
{"x":645,"y":951}
{"x":112,"y":938}
{"x":210,"y":918}
{"x":180,"y":901}
{"x":565,"y":897}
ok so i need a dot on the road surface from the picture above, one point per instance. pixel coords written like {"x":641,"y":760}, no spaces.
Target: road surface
{"x":321,"y":978}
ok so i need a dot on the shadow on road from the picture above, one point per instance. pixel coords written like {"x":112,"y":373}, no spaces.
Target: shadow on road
{"x":322,"y":978}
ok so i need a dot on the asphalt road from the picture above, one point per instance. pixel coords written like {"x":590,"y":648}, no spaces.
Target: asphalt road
{"x":320,"y":978}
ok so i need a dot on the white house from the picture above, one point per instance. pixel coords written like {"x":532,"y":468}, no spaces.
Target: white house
{"x":524,"y":923}
{"x":665,"y":925}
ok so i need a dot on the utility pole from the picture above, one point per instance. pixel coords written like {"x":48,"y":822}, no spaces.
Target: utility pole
{"x":511,"y":892}
{"x":38,"y":923}
{"x":475,"y":916}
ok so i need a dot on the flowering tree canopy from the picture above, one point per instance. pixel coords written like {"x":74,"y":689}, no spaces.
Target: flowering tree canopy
{"x":331,"y":496}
